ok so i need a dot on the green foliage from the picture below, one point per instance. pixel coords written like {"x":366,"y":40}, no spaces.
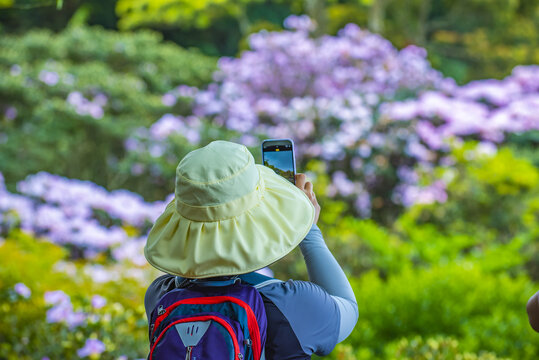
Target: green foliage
{"x":487,"y":196}
{"x":447,"y":280}
{"x":182,"y":13}
{"x":462,"y":301}
{"x":26,"y":334}
{"x":121,"y":78}
{"x":437,"y":348}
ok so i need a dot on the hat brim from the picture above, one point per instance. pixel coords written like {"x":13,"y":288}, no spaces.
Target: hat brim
{"x":250,"y":241}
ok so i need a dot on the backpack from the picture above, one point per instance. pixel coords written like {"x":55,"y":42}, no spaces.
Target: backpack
{"x":209,"y":320}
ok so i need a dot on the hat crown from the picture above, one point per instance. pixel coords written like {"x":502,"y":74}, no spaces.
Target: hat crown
{"x":215,"y":174}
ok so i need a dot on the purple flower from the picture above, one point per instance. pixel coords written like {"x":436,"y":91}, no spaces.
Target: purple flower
{"x":300,"y":23}
{"x":75,"y":98}
{"x":56,"y":297}
{"x":91,"y":347}
{"x":165,"y":126}
{"x":137,"y":169}
{"x":168,"y":99}
{"x":98,"y":301}
{"x":11,"y":113}
{"x":15,"y":70}
{"x":22,"y":290}
{"x":59,"y":313}
{"x":134,"y":145}
{"x":49,"y":77}
{"x":186,"y":91}
{"x":75,"y":319}
{"x":84,"y":106}
{"x":95,"y":111}
{"x":100,"y":99}
{"x":131,"y":250}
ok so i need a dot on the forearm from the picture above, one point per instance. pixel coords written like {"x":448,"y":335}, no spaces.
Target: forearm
{"x":323,"y":268}
{"x":325,"y":271}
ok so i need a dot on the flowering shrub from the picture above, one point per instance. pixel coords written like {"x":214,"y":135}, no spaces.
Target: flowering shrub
{"x":80,"y":215}
{"x":68,"y":100}
{"x":374,"y":126}
{"x":412,"y":278}
{"x":51,"y":309}
{"x":370,"y":111}
{"x":488,"y":109}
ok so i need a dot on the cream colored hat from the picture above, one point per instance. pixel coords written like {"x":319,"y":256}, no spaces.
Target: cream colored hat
{"x":229,"y":216}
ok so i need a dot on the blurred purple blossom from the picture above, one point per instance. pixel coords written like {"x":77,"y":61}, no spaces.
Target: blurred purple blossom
{"x":185,"y":91}
{"x":11,"y":113}
{"x":98,"y":301}
{"x":137,"y":169}
{"x":62,"y":309}
{"x":412,"y":194}
{"x":91,"y":347}
{"x":132,"y":250}
{"x":100,"y":274}
{"x":300,"y":23}
{"x":84,"y":106}
{"x":75,"y":319}
{"x":56,"y":297}
{"x":64,"y":211}
{"x":49,"y":77}
{"x":22,"y":290}
{"x":15,"y":70}
{"x":59,"y":313}
{"x":168,"y":99}
{"x":165,"y":126}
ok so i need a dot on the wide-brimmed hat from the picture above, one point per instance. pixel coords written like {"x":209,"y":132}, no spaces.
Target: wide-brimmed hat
{"x":229,"y":216}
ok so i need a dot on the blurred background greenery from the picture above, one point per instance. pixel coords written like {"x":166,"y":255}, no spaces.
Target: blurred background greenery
{"x":442,"y":280}
{"x":465,"y":39}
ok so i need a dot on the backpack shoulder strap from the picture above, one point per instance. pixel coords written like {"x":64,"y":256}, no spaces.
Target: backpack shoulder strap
{"x":183,"y":283}
{"x":257,"y":280}
{"x":267,"y":282}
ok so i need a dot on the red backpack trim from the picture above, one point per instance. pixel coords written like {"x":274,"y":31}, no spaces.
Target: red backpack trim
{"x":251,"y":318}
{"x":202,"y":318}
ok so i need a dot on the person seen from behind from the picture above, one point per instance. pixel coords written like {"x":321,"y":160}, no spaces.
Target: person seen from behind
{"x":229,"y":219}
{"x":532,"y":307}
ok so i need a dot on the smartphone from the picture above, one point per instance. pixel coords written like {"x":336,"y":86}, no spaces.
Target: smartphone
{"x":278,"y":154}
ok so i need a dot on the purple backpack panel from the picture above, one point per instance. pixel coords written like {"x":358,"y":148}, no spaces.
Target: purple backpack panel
{"x":215,"y":322}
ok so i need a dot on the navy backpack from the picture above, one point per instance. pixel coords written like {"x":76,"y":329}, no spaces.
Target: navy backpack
{"x":209,"y":320}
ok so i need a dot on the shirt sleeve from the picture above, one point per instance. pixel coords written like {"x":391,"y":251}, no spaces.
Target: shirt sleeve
{"x":311,"y":312}
{"x":325,"y":271}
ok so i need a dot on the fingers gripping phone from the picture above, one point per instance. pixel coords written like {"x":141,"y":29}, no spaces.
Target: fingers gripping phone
{"x":278,"y":154}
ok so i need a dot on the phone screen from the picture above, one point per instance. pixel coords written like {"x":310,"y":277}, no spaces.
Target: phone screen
{"x":280,"y":158}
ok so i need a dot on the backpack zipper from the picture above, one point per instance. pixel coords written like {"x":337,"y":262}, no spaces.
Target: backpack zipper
{"x":188,"y":355}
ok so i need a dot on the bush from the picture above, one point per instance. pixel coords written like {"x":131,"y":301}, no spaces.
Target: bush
{"x":62,"y":310}
{"x":437,"y":348}
{"x":371,"y":112}
{"x":69,"y":100}
{"x":485,"y":312}
{"x":490,"y":214}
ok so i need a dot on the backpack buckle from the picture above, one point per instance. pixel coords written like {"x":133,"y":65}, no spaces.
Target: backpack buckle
{"x":160,"y":310}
